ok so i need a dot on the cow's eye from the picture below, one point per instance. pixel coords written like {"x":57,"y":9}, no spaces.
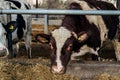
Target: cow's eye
{"x":69,"y":47}
{"x":51,"y":46}
{"x":4,"y":34}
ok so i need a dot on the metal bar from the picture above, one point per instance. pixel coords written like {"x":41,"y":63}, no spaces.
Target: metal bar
{"x":46,"y":24}
{"x":61,"y":12}
{"x":8,"y":15}
{"x":37,"y":7}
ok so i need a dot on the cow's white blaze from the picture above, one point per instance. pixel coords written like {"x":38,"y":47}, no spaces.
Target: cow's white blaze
{"x":60,"y":35}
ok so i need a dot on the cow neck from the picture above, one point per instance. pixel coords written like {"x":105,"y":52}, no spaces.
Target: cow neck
{"x":21,"y":25}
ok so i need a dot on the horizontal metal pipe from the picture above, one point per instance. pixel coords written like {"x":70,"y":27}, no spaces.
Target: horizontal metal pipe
{"x":62,"y":12}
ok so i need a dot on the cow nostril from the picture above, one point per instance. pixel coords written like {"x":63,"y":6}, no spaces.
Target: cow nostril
{"x":58,"y":70}
{"x":62,"y":70}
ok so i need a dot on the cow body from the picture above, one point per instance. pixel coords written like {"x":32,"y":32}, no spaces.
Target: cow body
{"x":81,"y":33}
{"x":18,"y":27}
{"x":99,"y":27}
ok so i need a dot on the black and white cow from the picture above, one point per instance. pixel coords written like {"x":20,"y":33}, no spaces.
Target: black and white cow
{"x":17,"y":28}
{"x":81,"y":33}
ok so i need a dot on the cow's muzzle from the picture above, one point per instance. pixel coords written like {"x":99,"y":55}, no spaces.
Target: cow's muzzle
{"x":56,"y":70}
{"x":3,"y":52}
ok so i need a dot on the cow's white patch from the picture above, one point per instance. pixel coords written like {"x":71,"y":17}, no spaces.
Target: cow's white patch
{"x":60,"y":35}
{"x":2,"y":35}
{"x":95,"y":19}
{"x":3,"y":40}
{"x":112,"y":1}
{"x":83,"y":50}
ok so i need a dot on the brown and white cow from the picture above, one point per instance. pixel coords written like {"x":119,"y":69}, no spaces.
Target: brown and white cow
{"x":81,"y":33}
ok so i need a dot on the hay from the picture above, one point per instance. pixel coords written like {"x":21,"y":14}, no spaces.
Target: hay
{"x":106,"y":76}
{"x":10,"y":71}
{"x":40,"y":29}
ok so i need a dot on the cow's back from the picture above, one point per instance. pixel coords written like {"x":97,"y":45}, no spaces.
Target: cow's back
{"x":107,"y":24}
{"x":111,"y":21}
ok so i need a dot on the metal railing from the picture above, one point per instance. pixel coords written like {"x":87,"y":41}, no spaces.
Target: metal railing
{"x":60,"y":12}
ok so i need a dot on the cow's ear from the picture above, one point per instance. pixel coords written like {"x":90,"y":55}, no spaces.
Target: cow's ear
{"x":43,"y":38}
{"x":82,"y":36}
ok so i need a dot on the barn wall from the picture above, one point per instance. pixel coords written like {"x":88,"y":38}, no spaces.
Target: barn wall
{"x":58,"y":4}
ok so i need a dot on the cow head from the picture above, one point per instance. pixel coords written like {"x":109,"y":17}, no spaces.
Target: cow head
{"x":5,"y":30}
{"x":3,"y":42}
{"x":62,"y":43}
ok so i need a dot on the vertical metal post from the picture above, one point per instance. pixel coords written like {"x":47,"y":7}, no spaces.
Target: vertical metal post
{"x":46,"y":23}
{"x":118,"y":6}
{"x":36,"y":3}
{"x":8,"y":15}
{"x":36,"y":7}
{"x":8,"y":18}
